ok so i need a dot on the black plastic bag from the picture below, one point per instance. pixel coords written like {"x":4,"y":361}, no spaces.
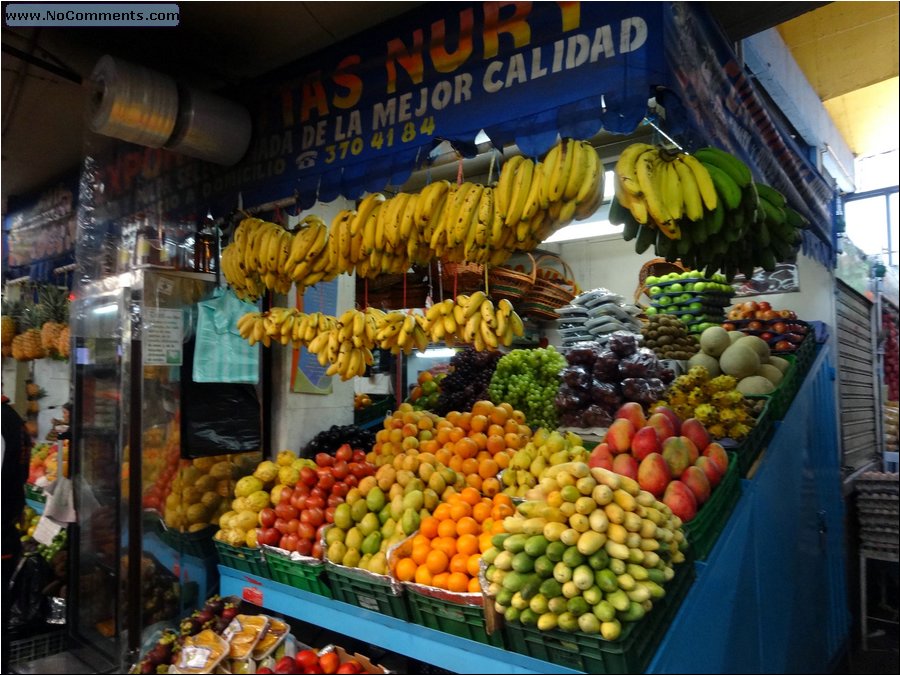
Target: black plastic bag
{"x":217,"y":418}
{"x":29,"y":605}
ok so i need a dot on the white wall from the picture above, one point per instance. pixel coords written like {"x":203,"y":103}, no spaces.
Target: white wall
{"x":611,"y":262}
{"x":296,"y":418}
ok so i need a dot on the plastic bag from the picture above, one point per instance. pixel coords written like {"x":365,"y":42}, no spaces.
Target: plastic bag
{"x":29,"y":604}
{"x":217,"y":418}
{"x":222,"y":354}
{"x":576,"y":377}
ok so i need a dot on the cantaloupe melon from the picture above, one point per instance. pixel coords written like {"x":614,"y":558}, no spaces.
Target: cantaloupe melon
{"x":756,"y":344}
{"x":755,"y":385}
{"x":739,"y":361}
{"x":735,"y":335}
{"x":771,"y":373}
{"x":780,"y":363}
{"x":714,"y":340}
{"x":709,"y":362}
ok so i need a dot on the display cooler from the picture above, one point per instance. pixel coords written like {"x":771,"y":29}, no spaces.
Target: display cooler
{"x":140,"y":555}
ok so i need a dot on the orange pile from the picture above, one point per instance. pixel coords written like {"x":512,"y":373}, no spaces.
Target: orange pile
{"x":446,"y":551}
{"x":479,"y":444}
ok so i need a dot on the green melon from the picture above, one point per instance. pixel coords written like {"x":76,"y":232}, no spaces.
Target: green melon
{"x":756,"y":344}
{"x":711,"y":363}
{"x":755,"y":385}
{"x":739,"y":361}
{"x":771,"y":373}
{"x":780,"y":363}
{"x":714,"y":340}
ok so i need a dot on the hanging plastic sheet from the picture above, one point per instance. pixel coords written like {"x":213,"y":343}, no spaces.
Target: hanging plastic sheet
{"x":717,"y":103}
{"x":222,"y":355}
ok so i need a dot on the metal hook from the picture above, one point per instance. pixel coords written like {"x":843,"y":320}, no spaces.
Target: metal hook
{"x":662,"y":133}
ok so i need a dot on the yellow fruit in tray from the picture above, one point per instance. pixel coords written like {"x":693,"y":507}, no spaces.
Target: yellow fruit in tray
{"x":285,"y":458}
{"x":206,"y":483}
{"x":197,"y":513}
{"x":235,"y":536}
{"x":225,"y":519}
{"x":267,"y":471}
{"x":257,"y":501}
{"x":224,"y":487}
{"x":288,"y":475}
{"x":239,"y":504}
{"x":204,"y":464}
{"x":196,"y":527}
{"x":211,"y":500}
{"x":191,"y":495}
{"x":221,"y":470}
{"x":247,"y":486}
{"x":245,"y":520}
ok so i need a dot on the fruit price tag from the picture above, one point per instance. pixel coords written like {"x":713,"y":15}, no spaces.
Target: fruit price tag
{"x":46,"y":530}
{"x":252,"y":595}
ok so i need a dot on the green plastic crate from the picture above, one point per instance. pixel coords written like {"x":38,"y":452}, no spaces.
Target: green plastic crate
{"x":306,"y":577}
{"x":197,"y":544}
{"x":348,"y":585}
{"x":35,"y":494}
{"x":465,"y":621}
{"x":806,"y":353}
{"x":780,"y":399}
{"x":374,"y":414}
{"x":704,"y":530}
{"x":631,"y":653}
{"x":242,"y":558}
{"x":38,"y":646}
{"x":751,"y":447}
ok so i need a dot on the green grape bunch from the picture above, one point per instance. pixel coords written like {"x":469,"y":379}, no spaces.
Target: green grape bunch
{"x":528,"y":380}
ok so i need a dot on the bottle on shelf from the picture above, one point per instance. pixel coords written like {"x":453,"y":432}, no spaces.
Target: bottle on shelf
{"x":206,"y":253}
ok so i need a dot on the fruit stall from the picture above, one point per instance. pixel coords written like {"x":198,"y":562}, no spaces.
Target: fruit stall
{"x":401,"y":418}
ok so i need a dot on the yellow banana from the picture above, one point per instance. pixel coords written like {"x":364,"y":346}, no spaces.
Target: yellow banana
{"x":671,"y":189}
{"x":407,"y":217}
{"x":580,"y":165}
{"x":593,"y":177}
{"x":626,"y":167}
{"x":487,"y":313}
{"x":504,"y":186}
{"x":490,"y":338}
{"x":690,"y":191}
{"x":474,"y":304}
{"x":515,"y":321}
{"x":533,"y":200}
{"x":365,"y":209}
{"x":519,"y":194}
{"x":467,"y":209}
{"x":551,"y":165}
{"x":704,"y":181}
{"x":560,"y":176}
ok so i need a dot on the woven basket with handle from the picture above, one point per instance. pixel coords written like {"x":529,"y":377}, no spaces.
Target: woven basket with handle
{"x":511,"y":284}
{"x":464,"y":277}
{"x":655,"y":268}
{"x":549,"y":293}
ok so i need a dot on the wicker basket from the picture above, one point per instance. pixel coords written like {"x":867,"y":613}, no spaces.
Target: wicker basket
{"x":655,"y":268}
{"x":511,"y":284}
{"x":465,"y":277}
{"x":546,"y":296}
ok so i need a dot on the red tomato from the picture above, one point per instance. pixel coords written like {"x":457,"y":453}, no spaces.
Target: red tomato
{"x":340,"y":470}
{"x":285,"y":495}
{"x":289,"y":542}
{"x":298,"y":500}
{"x":267,"y":517}
{"x":285,"y":511}
{"x":316,"y":550}
{"x":330,"y":662}
{"x":329,"y":514}
{"x":316,"y":517}
{"x":324,"y":459}
{"x":348,"y":667}
{"x":326,"y":482}
{"x":334,"y":500}
{"x":359,"y":455}
{"x":344,"y":453}
{"x":318,"y":492}
{"x":315,"y":503}
{"x":306,"y":531}
{"x":308,"y":476}
{"x":358,"y":469}
{"x":340,"y":490}
{"x":281,"y":525}
{"x":293,"y":525}
{"x":306,"y":658}
{"x":351,"y":481}
{"x":304,"y":547}
{"x":268,"y":536}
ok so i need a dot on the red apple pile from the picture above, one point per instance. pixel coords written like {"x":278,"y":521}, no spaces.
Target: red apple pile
{"x":308,"y":661}
{"x":674,"y":460}
{"x":296,"y":522}
{"x":779,"y":328}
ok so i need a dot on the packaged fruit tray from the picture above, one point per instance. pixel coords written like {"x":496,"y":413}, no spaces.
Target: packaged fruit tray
{"x":292,"y":569}
{"x":242,"y":558}
{"x":704,"y":530}
{"x":375,"y":592}
{"x":631,"y":653}
{"x":750,"y":448}
{"x":778,"y":334}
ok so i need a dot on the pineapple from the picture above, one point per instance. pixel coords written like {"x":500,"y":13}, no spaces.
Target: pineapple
{"x":62,"y":342}
{"x":54,"y":303}
{"x":10,"y":309}
{"x":31,"y":336}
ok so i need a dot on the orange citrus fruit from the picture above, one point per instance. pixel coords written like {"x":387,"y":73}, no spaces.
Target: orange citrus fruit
{"x":458,"y":582}
{"x":406,"y":569}
{"x":437,"y":561}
